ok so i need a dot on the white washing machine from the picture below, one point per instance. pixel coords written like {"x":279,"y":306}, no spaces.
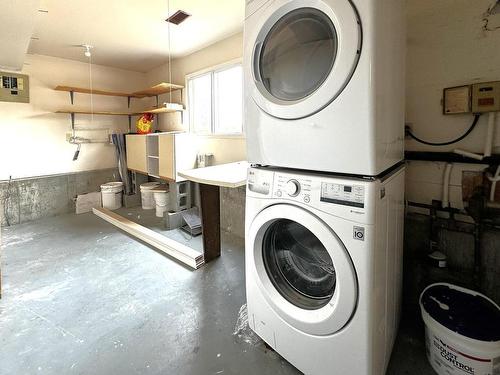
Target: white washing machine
{"x":324,"y":84}
{"x":323,"y":261}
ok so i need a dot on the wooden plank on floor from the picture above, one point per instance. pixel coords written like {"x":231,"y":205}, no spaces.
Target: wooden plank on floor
{"x":170,"y":247}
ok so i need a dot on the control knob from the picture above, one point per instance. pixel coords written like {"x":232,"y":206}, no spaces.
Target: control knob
{"x":293,"y":188}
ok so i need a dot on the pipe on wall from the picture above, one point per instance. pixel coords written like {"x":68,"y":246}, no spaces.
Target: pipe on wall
{"x":446,"y":185}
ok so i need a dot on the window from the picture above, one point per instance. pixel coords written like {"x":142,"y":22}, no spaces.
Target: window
{"x":216,"y":101}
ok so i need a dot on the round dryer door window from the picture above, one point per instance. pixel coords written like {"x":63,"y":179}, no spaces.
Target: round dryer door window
{"x":298,"y":54}
{"x":298,"y":264}
{"x":304,"y":55}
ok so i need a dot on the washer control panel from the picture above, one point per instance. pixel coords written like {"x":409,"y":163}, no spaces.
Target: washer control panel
{"x":346,"y":195}
{"x":299,"y":188}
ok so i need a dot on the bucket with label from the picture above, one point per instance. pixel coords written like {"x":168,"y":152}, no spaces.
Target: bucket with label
{"x":462,"y":330}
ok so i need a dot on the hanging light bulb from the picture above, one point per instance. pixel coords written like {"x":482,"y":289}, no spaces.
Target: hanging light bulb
{"x":87,"y":51}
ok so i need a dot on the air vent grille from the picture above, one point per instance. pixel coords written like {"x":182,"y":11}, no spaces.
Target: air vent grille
{"x":178,"y":17}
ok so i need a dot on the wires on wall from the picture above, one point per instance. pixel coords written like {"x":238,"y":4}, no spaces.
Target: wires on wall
{"x":471,"y":128}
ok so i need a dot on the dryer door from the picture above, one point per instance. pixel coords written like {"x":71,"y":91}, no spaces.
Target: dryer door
{"x":304,"y":55}
{"x":303,"y":269}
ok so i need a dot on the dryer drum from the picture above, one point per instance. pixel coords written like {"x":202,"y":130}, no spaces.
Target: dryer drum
{"x":298,"y":264}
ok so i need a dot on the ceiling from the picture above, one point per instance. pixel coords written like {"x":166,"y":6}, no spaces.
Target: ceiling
{"x":132,"y":34}
{"x":17,"y":20}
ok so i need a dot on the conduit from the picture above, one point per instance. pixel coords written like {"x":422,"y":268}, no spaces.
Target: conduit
{"x":446,"y":186}
{"x":494,"y":179}
{"x":488,"y":145}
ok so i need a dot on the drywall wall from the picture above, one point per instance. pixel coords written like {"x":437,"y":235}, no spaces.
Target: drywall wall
{"x":33,"y":137}
{"x":446,"y":47}
{"x":225,"y":149}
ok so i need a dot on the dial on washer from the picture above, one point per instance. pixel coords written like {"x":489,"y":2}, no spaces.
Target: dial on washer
{"x":293,"y":188}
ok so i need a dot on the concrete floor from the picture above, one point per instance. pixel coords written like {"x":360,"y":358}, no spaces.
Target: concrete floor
{"x":148,"y":219}
{"x":81,"y":297}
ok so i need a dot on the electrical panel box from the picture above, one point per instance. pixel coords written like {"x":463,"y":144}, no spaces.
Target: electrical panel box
{"x":457,"y":100}
{"x":14,"y":88}
{"x":486,"y":97}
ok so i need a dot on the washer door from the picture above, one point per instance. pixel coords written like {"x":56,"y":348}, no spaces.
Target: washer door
{"x":303,"y":269}
{"x":304,"y":56}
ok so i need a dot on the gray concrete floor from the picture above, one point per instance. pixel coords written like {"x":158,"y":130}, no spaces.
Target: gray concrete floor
{"x":81,"y":297}
{"x":148,"y":219}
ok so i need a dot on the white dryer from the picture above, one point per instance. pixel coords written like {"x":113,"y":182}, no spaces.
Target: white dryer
{"x":324,"y":84}
{"x":323,"y":261}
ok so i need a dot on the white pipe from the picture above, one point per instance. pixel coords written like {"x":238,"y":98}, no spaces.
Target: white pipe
{"x":488,"y":143}
{"x":468,"y":154}
{"x":489,"y":134}
{"x":446,"y":186}
{"x":494,"y":179}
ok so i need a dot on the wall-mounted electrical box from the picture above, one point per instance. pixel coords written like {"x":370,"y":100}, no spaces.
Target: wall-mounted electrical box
{"x":457,"y":100}
{"x":486,"y":97}
{"x":14,"y":88}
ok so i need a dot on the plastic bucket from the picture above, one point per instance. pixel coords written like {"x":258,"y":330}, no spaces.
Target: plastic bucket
{"x":111,"y":194}
{"x":161,"y":200}
{"x":462,"y":330}
{"x":147,"y":200}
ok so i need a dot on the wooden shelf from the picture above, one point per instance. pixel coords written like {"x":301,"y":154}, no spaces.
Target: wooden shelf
{"x":156,"y":90}
{"x":162,"y":88}
{"x":161,"y":110}
{"x":103,"y":113}
{"x":83,"y":90}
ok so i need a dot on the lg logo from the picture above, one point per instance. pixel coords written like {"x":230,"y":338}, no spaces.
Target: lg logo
{"x":359,"y":233}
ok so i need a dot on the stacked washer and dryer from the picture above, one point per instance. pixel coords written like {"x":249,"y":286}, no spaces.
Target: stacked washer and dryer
{"x":324,"y":118}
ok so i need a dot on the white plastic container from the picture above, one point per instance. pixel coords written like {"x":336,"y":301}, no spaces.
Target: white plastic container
{"x":462,"y":330}
{"x":111,"y":194}
{"x":160,"y":195}
{"x":147,"y":200}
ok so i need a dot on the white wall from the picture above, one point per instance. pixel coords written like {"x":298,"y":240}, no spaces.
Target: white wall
{"x":225,"y":149}
{"x":446,"y":47}
{"x":33,"y":137}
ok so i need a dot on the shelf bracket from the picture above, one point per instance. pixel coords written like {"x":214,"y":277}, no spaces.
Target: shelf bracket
{"x":72,"y":96}
{"x":128,"y":101}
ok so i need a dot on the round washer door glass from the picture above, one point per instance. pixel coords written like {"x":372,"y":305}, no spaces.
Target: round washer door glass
{"x":298,"y":54}
{"x":298,"y":264}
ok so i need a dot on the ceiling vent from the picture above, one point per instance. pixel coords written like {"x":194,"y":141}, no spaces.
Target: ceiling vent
{"x":178,"y":17}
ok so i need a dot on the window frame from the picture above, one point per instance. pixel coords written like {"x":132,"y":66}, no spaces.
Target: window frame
{"x":212,"y":70}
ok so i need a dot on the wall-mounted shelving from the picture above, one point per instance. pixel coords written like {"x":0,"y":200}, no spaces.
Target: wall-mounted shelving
{"x":154,"y":91}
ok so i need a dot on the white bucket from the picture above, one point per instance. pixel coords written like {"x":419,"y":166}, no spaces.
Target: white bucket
{"x":462,"y":330}
{"x":161,"y":200}
{"x":147,"y":200}
{"x":111,"y":193}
